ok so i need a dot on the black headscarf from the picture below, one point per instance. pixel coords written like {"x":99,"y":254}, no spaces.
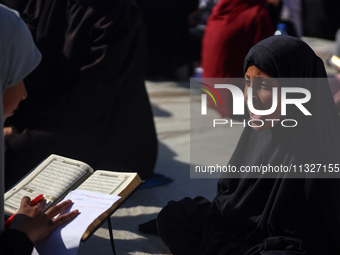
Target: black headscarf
{"x":283,"y":215}
{"x":316,"y":138}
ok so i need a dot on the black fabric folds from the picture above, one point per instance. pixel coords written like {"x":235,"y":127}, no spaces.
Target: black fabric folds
{"x":14,"y":242}
{"x":87,"y":98}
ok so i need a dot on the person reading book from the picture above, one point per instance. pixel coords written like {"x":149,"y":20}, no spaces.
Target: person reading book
{"x":18,"y":57}
{"x":58,"y":177}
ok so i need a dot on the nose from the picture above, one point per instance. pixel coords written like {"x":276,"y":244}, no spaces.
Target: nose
{"x":254,"y":93}
{"x":253,"y":90}
{"x":252,"y":97}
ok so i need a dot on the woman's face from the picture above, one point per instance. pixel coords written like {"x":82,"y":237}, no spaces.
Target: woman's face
{"x":262,"y":85}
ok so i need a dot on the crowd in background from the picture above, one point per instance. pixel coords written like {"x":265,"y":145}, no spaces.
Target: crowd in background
{"x":175,"y":29}
{"x":212,"y":40}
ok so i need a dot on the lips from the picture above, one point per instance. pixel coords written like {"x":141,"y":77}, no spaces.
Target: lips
{"x":254,"y":116}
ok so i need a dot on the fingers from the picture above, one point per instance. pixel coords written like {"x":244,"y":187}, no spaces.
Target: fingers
{"x":25,"y":201}
{"x":27,"y":209}
{"x":55,"y":210}
{"x":37,"y":225}
{"x":60,"y":220}
{"x":40,"y":203}
{"x":8,"y":131}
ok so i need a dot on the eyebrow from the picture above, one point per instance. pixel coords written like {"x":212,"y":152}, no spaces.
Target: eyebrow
{"x":258,"y":77}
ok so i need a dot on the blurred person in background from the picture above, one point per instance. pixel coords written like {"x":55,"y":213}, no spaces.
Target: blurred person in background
{"x":233,"y":27}
{"x":87,"y":98}
{"x":167,"y":37}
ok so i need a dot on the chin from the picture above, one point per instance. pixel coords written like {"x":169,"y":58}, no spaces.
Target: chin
{"x":260,"y":128}
{"x":266,"y":125}
{"x":7,"y":115}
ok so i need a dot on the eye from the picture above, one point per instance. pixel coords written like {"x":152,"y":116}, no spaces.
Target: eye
{"x":265,"y":84}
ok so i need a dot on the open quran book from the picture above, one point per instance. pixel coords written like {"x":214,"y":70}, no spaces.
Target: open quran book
{"x":58,"y":175}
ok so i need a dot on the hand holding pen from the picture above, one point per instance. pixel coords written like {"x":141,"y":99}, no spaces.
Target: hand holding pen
{"x":33,"y":203}
{"x":35,"y":223}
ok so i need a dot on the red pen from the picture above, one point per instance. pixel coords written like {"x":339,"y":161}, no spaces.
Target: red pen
{"x":33,"y":202}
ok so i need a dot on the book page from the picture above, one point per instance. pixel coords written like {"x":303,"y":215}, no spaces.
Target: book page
{"x":107,"y":182}
{"x":110,"y":183}
{"x":52,"y":178}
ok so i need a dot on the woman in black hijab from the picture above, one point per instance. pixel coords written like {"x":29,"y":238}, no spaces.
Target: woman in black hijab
{"x":282,"y":215}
